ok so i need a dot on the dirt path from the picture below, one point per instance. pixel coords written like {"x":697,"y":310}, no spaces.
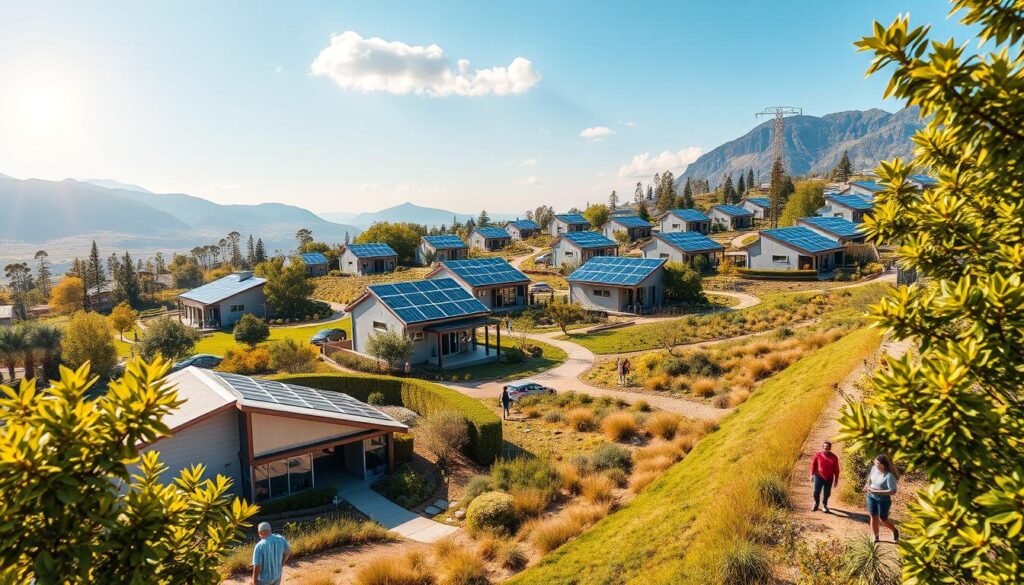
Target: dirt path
{"x":520,"y":259}
{"x":341,"y":565}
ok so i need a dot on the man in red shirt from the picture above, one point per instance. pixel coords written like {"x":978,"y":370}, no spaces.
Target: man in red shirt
{"x":824,"y":474}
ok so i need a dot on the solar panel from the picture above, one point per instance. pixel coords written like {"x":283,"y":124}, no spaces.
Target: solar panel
{"x":802,"y":238}
{"x":588,"y":240}
{"x":492,"y":232}
{"x":632,"y":221}
{"x":760,"y":201}
{"x":873,"y":186}
{"x":733,"y":210}
{"x":445,"y":242}
{"x":689,"y":215}
{"x":524,"y":224}
{"x":573,"y":219}
{"x":485,"y":271}
{"x":835,"y":225}
{"x":690,"y":241}
{"x":371,"y":250}
{"x":852,"y":201}
{"x":427,"y":300}
{"x":313,"y":258}
{"x":616,"y":270}
{"x":222,"y":288}
{"x":269,"y":391}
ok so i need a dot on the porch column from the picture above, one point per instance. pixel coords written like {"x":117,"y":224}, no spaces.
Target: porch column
{"x":440,"y":354}
{"x":497,"y":350}
{"x":487,"y":339}
{"x":391,"y":452}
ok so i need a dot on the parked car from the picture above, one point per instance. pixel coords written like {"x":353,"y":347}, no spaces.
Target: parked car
{"x":326,"y":335}
{"x":541,"y":287}
{"x":200,"y":360}
{"x":543,"y":259}
{"x":518,"y":390}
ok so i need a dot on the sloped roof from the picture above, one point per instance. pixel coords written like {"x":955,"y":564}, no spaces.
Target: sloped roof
{"x":689,"y":215}
{"x":851,"y":201}
{"x":573,"y":219}
{"x":524,"y":224}
{"x":616,"y":270}
{"x":371,"y":250}
{"x":759,"y":201}
{"x":313,"y":258}
{"x":485,"y":271}
{"x":445,"y":242}
{"x":733,"y":210}
{"x":689,"y":241}
{"x":6,"y":311}
{"x":421,"y":301}
{"x":869,"y":185}
{"x":492,"y":232}
{"x":839,"y":226}
{"x":803,"y":239}
{"x":587,"y":240}
{"x":631,"y":221}
{"x":223,"y":288}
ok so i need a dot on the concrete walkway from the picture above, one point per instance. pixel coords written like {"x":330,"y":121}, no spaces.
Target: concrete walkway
{"x":389,"y":514}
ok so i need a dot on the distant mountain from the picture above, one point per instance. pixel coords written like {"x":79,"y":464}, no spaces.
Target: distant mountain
{"x":111,"y":184}
{"x":814,"y":144}
{"x":410,"y":212}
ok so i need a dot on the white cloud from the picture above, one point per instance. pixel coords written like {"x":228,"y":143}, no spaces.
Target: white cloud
{"x":532,"y":181}
{"x":530,"y":162}
{"x":597,"y":132}
{"x":629,"y":124}
{"x":647,"y":164}
{"x":278,"y":69}
{"x":374,"y":64}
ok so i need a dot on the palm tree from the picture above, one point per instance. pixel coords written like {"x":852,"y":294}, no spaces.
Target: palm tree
{"x":46,"y":339}
{"x":12,"y":349}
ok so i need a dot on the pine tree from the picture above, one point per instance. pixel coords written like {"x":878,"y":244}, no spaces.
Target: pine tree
{"x":638,"y":195}
{"x":778,"y":191}
{"x":158,"y":263}
{"x":642,"y":212}
{"x":613,"y":201}
{"x":741,"y":186}
{"x":729,"y":192}
{"x":127,"y":281}
{"x":250,"y":252}
{"x":261,"y":252}
{"x":686,"y":201}
{"x":483,"y":220}
{"x":843,"y":168}
{"x":43,"y":274}
{"x":94,"y":270}
{"x":347,"y":239}
{"x":750,"y":179}
{"x":650,"y":193}
{"x":666,"y":192}
{"x":236,"y":251}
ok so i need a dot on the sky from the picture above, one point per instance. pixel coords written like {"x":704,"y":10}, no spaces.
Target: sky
{"x":356,"y":106}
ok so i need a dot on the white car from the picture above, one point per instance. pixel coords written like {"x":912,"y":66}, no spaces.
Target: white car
{"x":518,"y":390}
{"x":541,"y":287}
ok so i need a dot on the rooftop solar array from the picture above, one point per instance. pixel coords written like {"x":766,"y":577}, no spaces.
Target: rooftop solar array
{"x":222,"y":288}
{"x":445,"y":242}
{"x":573,"y":218}
{"x":733,"y":210}
{"x":761,"y":201}
{"x":690,"y":241}
{"x":371,"y":250}
{"x":689,"y":215}
{"x":492,"y":232}
{"x":258,"y":390}
{"x":587,"y":240}
{"x":851,"y":201}
{"x":632,"y":221}
{"x":869,"y":185}
{"x":615,"y":270}
{"x":524,"y":224}
{"x":313,"y":258}
{"x":802,"y":238}
{"x":427,"y":300}
{"x":485,"y":271}
{"x":835,"y":225}
{"x":925,"y":180}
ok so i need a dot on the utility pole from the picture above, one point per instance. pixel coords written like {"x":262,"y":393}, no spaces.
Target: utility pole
{"x":779,"y":113}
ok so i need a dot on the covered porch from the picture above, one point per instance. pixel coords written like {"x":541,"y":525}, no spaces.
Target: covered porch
{"x":457,"y":345}
{"x":203,"y":317}
{"x":826,"y":262}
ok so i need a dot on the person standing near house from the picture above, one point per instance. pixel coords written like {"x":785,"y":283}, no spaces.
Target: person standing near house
{"x":824,"y":474}
{"x":625,"y":370}
{"x":619,"y":368}
{"x":407,"y":368}
{"x":269,"y":556}
{"x":506,"y":402}
{"x":508,"y":325}
{"x":880,"y":488}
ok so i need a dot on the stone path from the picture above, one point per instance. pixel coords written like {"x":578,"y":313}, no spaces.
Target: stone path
{"x":389,"y":514}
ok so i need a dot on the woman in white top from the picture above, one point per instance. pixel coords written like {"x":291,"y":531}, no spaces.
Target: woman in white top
{"x":880,"y":487}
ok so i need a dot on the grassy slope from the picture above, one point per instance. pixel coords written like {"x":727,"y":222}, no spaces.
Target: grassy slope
{"x":681,"y":523}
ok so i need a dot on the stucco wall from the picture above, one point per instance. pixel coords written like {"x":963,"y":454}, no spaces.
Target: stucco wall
{"x":213,"y":442}
{"x":271,"y":434}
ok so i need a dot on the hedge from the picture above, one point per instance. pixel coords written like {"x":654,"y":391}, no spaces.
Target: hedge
{"x":301,"y":501}
{"x":420,"y":396}
{"x":403,"y":448}
{"x":778,"y":274}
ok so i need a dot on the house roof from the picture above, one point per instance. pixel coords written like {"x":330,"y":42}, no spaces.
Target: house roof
{"x":421,"y":301}
{"x":445,"y":242}
{"x":689,"y":215}
{"x":631,"y":221}
{"x":925,"y":180}
{"x":524,"y":224}
{"x":803,"y":239}
{"x":759,"y":201}
{"x":485,"y":271}
{"x":106,"y":287}
{"x":6,"y":311}
{"x":616,"y":270}
{"x":588,"y":240}
{"x":689,"y":241}
{"x":573,"y":219}
{"x":839,"y":226}
{"x":371,"y":250}
{"x":223,"y":288}
{"x":492,"y":232}
{"x":733,"y":210}
{"x":851,"y":201}
{"x":312,"y":258}
{"x":869,"y":185}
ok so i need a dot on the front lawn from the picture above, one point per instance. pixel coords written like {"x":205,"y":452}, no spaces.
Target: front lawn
{"x":218,"y":343}
{"x":550,"y":357}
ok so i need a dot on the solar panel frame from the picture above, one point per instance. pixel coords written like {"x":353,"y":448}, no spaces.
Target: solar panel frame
{"x":427,"y":300}
{"x":492,"y":232}
{"x":524,"y":224}
{"x":852,"y":201}
{"x":222,"y":288}
{"x":445,"y":242}
{"x":803,"y":238}
{"x":690,"y":215}
{"x":274,"y":392}
{"x":616,"y":270}
{"x":485,"y":271}
{"x":632,"y":221}
{"x":371,"y":250}
{"x":733,"y":210}
{"x":313,"y":258}
{"x":839,"y":226}
{"x":589,"y":240}
{"x":572,"y":219}
{"x":689,"y":241}
{"x":759,"y":201}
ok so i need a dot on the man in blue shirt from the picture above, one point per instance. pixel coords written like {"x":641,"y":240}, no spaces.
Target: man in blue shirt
{"x":268,"y":556}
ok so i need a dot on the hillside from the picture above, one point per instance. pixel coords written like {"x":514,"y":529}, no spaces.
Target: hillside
{"x":814,"y":144}
{"x":410,"y":212}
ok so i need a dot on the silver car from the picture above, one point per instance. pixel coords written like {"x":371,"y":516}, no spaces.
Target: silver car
{"x":519,"y":390}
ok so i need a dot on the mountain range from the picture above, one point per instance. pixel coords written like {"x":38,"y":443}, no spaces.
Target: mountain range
{"x":410,"y":212}
{"x":814,"y":144}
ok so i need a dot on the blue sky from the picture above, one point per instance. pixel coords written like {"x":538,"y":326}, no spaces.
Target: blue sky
{"x":221,"y":99}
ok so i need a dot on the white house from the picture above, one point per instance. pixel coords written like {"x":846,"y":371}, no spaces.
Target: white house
{"x":438,"y":248}
{"x":757,"y":205}
{"x":923,"y":182}
{"x":731,"y":217}
{"x":567,"y":223}
{"x":492,"y":281}
{"x":793,"y":248}
{"x":619,"y":285}
{"x":272,"y":439}
{"x":522,"y":229}
{"x":834,"y":228}
{"x":6,"y":314}
{"x":364,"y":259}
{"x":222,"y":302}
{"x":316,"y":263}
{"x":866,"y":189}
{"x":852,"y":208}
{"x":489,"y":238}
{"x":635,"y":226}
{"x":685,"y":220}
{"x":578,"y":247}
{"x":684,"y":247}
{"x":440,"y":316}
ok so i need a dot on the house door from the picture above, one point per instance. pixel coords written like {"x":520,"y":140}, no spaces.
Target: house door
{"x":378,"y":266}
{"x":449,"y":343}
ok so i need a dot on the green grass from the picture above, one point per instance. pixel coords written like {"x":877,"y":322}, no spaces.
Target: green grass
{"x":550,"y":357}
{"x":220,"y":342}
{"x":681,"y":526}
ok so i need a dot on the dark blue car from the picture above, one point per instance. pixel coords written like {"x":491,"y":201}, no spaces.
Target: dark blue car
{"x":325,"y":335}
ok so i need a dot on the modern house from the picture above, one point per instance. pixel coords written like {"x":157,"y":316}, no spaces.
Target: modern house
{"x":439,"y":248}
{"x":793,"y":248}
{"x":866,"y":189}
{"x":316,"y":263}
{"x":619,"y":286}
{"x":439,"y":316}
{"x":852,"y":208}
{"x":578,"y":247}
{"x":923,"y":182}
{"x":100,"y":298}
{"x":731,"y":217}
{"x":684,"y":247}
{"x":522,"y":229}
{"x":364,"y":259}
{"x":635,"y":226}
{"x":834,"y":228}
{"x":567,"y":223}
{"x":492,"y":281}
{"x":489,"y":238}
{"x":685,"y":220}
{"x":6,"y":315}
{"x":272,"y":439}
{"x":222,"y":302}
{"x":757,"y":205}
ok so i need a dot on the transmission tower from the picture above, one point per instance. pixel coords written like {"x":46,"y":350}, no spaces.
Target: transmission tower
{"x":780,"y":113}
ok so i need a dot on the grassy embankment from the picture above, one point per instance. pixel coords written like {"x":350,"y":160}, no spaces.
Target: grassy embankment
{"x":684,"y":526}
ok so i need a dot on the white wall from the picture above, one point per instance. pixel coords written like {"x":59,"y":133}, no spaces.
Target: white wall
{"x":213,"y":442}
{"x":615,"y":302}
{"x":758,"y":211}
{"x":363,"y":316}
{"x":759,"y":256}
{"x":278,"y":433}
{"x":253,"y":300}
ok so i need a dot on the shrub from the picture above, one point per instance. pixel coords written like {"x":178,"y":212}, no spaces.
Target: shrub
{"x":292,"y":357}
{"x":552,"y":416}
{"x":406,"y":488}
{"x":649,"y":361}
{"x":865,"y":563}
{"x":246,"y":360}
{"x":773,"y":491}
{"x":387,"y":570}
{"x":611,"y":456}
{"x":529,"y":502}
{"x":525,"y":472}
{"x":822,"y":564}
{"x":703,"y":387}
{"x":404,"y":446}
{"x":511,"y":355}
{"x":492,"y":511}
{"x":303,"y":500}
{"x":508,"y":554}
{"x":617,"y":477}
{"x":640,"y":406}
{"x":444,"y":434}
{"x":477,"y":485}
{"x":663,"y":424}
{"x":658,"y":382}
{"x":745,"y":564}
{"x":376,"y":399}
{"x":251,"y":330}
{"x":619,"y":426}
{"x":597,"y":489}
{"x":581,"y":419}
{"x":461,"y":567}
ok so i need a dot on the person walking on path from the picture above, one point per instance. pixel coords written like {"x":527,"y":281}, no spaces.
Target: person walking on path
{"x":407,"y":368}
{"x":620,"y":368}
{"x":269,"y":556}
{"x":506,"y":402}
{"x":625,"y":370}
{"x":880,"y":487}
{"x":824,"y":474}
{"x":508,"y":325}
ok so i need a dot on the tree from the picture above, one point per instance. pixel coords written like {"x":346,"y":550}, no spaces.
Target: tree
{"x":250,"y":252}
{"x":444,"y":434}
{"x":43,"y":274}
{"x":543,"y":216}
{"x":303,"y":236}
{"x":613,"y":201}
{"x":642,"y":212}
{"x":122,"y":318}
{"x":843,"y":168}
{"x":621,"y":238}
{"x":806,"y":200}
{"x":251,"y":330}
{"x":13,"y":345}
{"x":68,"y":296}
{"x":777,"y":192}
{"x":168,"y":338}
{"x":686,"y":201}
{"x":563,"y":313}
{"x":20,"y":276}
{"x":127,"y":281}
{"x":638,"y":194}
{"x":729,"y":192}
{"x":94,"y":269}
{"x":402,"y":237}
{"x":741,"y":186}
{"x":597,"y":215}
{"x":91,"y":516}
{"x":750,"y":179}
{"x":390,"y":347}
{"x":87,"y":338}
{"x":683,"y":283}
{"x":261,"y":252}
{"x":46,"y":340}
{"x":953,"y":411}
{"x":665,"y":195}
{"x":287,"y":288}
{"x":292,"y":357}
{"x":483,"y":219}
{"x":233,"y":247}
{"x":187,"y":274}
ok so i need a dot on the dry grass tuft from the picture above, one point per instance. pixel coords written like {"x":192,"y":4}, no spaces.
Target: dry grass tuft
{"x":317,"y":577}
{"x":387,"y":570}
{"x":569,"y":475}
{"x":658,"y":382}
{"x":597,"y":489}
{"x":581,"y":419}
{"x":619,"y":426}
{"x":663,"y":424}
{"x":461,"y":567}
{"x":703,"y":387}
{"x":639,"y":480}
{"x":551,"y":533}
{"x":529,"y":502}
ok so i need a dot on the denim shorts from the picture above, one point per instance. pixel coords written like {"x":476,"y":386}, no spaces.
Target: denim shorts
{"x":879,"y":506}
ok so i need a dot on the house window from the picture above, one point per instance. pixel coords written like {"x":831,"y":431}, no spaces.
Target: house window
{"x":282,"y":477}
{"x":378,"y":326}
{"x":599,"y":292}
{"x":568,"y":252}
{"x":780,"y":259}
{"x":417,"y":336}
{"x":481,"y":293}
{"x":675,"y":225}
{"x":663,"y":255}
{"x":507,"y":296}
{"x":236,"y":308}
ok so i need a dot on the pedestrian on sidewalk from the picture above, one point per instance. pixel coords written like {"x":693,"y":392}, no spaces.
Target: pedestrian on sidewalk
{"x":626,"y":368}
{"x":506,"y":402}
{"x":269,"y":556}
{"x":620,"y":369}
{"x":407,"y":368}
{"x":508,"y":325}
{"x":824,"y":474}
{"x":880,"y":488}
